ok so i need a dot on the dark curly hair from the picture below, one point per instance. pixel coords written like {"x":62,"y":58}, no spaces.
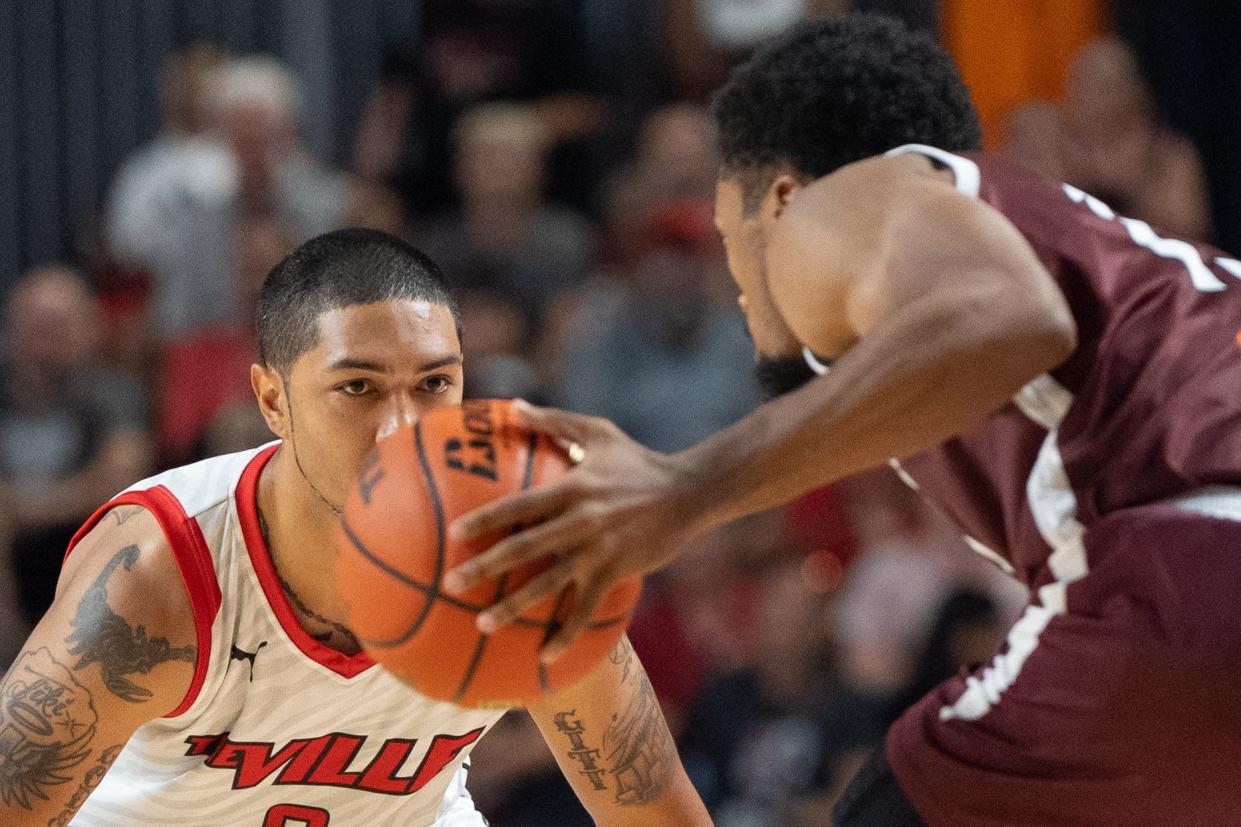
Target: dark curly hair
{"x":826,"y":94}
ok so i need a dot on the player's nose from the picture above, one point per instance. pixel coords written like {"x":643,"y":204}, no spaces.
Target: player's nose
{"x":400,"y":412}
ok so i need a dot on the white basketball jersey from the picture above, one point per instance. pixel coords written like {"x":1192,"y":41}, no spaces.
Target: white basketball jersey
{"x":276,"y":729}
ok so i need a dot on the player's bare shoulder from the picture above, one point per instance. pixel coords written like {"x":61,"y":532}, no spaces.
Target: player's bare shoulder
{"x":116,"y":649}
{"x":125,"y":603}
{"x":828,"y":244}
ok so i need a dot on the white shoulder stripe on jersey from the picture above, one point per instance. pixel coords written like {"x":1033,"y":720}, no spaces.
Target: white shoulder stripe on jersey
{"x":1220,"y":501}
{"x":969,"y":178}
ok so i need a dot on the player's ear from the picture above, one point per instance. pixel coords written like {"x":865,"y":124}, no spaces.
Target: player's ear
{"x":269,"y":391}
{"x":781,"y":190}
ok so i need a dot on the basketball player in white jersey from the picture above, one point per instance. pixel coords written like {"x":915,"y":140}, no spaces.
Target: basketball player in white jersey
{"x":195,"y":668}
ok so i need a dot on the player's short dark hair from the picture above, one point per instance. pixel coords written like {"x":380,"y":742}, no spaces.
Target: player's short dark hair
{"x":828,"y":93}
{"x":335,"y":270}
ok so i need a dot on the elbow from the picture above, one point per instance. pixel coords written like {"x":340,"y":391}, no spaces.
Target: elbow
{"x":1052,"y":339}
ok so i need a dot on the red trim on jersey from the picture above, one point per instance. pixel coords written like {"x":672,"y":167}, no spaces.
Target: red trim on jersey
{"x":189,"y":550}
{"x":347,"y":666}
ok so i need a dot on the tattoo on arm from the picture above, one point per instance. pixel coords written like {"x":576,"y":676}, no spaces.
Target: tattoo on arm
{"x":102,"y":636}
{"x":638,"y":744}
{"x":640,"y":753}
{"x":93,"y":776}
{"x":124,"y":512}
{"x":47,"y":721}
{"x":572,"y":726}
{"x":622,"y":656}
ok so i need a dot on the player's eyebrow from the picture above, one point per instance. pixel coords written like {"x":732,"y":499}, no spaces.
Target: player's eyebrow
{"x":442,"y":362}
{"x":347,"y":363}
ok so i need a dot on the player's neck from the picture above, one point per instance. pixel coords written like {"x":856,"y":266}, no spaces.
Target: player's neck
{"x":299,"y":529}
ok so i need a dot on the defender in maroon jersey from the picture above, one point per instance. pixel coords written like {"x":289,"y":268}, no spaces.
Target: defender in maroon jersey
{"x":1063,"y":381}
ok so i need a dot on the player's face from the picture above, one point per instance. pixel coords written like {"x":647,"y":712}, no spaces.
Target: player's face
{"x":778,"y":354}
{"x":375,"y":368}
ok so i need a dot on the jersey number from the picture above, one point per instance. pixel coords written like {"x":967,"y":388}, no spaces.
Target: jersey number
{"x":296,"y":815}
{"x":1144,"y":236}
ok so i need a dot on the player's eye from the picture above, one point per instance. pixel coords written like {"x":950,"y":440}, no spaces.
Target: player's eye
{"x":437,"y":384}
{"x":354,"y":387}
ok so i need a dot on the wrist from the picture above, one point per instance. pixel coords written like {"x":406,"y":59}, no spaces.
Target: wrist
{"x":687,"y":492}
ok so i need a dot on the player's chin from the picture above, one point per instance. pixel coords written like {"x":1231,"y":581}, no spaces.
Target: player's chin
{"x":778,"y":375}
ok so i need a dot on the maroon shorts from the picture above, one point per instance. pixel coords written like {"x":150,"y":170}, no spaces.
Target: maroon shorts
{"x":1118,"y":705}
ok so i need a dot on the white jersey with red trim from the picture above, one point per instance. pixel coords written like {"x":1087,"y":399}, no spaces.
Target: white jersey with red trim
{"x":276,"y":729}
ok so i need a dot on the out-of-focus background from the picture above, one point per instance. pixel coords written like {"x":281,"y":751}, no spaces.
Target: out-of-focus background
{"x":157,"y":157}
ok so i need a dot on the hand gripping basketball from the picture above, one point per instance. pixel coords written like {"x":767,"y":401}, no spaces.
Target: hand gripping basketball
{"x":622,"y":511}
{"x":395,"y":551}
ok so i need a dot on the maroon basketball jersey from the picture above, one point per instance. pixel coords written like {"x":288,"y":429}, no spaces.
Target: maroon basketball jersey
{"x":1148,"y":407}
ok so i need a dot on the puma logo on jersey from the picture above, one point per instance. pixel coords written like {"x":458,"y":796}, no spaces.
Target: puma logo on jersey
{"x":241,"y":654}
{"x":325,"y":761}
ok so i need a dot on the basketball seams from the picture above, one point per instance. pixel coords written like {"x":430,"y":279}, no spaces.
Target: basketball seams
{"x":470,"y":665}
{"x":502,"y":585}
{"x":431,"y":593}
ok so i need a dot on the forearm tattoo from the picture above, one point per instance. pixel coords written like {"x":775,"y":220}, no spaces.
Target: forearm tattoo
{"x":638,"y":744}
{"x":102,"y":636}
{"x":586,"y":756}
{"x":638,"y":754}
{"x":93,"y":776}
{"x":47,"y":720}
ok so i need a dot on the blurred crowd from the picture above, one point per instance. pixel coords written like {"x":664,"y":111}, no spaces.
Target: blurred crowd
{"x":577,"y":229}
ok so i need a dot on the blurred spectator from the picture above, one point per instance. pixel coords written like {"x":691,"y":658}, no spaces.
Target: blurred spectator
{"x":403,"y":138}
{"x":373,"y":206}
{"x":674,"y":159}
{"x":72,"y":434}
{"x":699,"y":617}
{"x":663,"y":352}
{"x":967,"y":632}
{"x":1109,"y":141}
{"x":173,"y":153}
{"x":205,"y":381}
{"x":676,"y":155}
{"x":507,"y":237}
{"x":14,"y":626}
{"x":176,"y":221}
{"x":529,"y":50}
{"x":895,"y":583}
{"x":471,"y":52}
{"x":495,"y":343}
{"x":515,"y":781}
{"x":762,"y":741}
{"x":705,"y":38}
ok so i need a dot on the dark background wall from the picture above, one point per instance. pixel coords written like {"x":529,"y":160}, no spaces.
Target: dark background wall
{"x":78,"y":91}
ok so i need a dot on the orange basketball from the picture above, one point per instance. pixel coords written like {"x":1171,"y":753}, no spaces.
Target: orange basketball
{"x":394,"y":552}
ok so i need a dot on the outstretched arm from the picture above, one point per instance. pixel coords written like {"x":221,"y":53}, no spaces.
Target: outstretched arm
{"x":114,"y":651}
{"x":609,"y":737}
{"x":949,"y":311}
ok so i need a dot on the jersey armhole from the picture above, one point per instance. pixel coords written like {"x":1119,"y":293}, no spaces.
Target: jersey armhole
{"x":189,"y":550}
{"x":968,"y":176}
